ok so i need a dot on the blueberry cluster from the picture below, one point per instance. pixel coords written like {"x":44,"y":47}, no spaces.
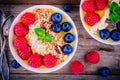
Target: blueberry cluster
{"x":114,"y":34}
{"x":66,"y":27}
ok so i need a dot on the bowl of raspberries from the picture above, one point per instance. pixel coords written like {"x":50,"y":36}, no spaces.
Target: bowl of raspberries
{"x":43,"y":38}
{"x":101,"y":19}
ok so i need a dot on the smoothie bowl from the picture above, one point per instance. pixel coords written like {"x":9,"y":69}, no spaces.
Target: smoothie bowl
{"x":101,"y":19}
{"x":43,"y":38}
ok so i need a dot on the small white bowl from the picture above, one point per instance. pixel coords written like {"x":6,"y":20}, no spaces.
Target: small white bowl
{"x":90,"y":33}
{"x":19,"y":60}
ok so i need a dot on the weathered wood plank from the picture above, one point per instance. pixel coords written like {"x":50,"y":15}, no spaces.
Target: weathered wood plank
{"x":50,"y":2}
{"x":60,"y":77}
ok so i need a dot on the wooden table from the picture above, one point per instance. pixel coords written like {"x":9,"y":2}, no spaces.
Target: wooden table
{"x":110,"y":55}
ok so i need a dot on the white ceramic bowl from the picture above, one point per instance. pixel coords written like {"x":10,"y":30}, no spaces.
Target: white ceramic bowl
{"x":90,"y":33}
{"x":38,"y":70}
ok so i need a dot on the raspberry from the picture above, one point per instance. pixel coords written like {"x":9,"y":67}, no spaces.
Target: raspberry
{"x":35,"y":60}
{"x":20,"y":43}
{"x":91,"y":18}
{"x":77,"y":67}
{"x":25,"y":53}
{"x":88,"y":6}
{"x":49,"y":60}
{"x":28,"y":18}
{"x":100,"y":4}
{"x":19,"y":30}
{"x":93,"y":57}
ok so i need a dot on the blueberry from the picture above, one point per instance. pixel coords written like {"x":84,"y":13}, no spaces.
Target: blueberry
{"x":66,"y":26}
{"x":15,"y":64}
{"x":56,"y":28}
{"x":115,"y":35}
{"x":69,"y":37}
{"x":104,"y":72}
{"x":67,"y":49}
{"x":56,"y":17}
{"x":68,"y":7}
{"x":104,"y":34}
{"x":118,"y":25}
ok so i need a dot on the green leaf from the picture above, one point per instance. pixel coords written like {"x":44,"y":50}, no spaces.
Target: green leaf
{"x":119,"y":11}
{"x":48,"y":38}
{"x":40,"y":33}
{"x":114,"y":17}
{"x":114,"y":7}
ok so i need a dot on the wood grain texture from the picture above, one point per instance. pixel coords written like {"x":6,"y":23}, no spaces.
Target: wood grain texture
{"x":48,"y":2}
{"x":110,"y":55}
{"x":60,"y":77}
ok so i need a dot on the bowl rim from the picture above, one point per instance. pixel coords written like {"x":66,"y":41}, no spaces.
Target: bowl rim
{"x":90,"y":33}
{"x":20,"y":61}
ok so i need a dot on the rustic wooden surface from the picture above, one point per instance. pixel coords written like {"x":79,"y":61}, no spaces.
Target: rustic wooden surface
{"x":110,"y":55}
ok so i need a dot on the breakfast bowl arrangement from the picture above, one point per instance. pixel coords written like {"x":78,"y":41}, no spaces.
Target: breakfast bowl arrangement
{"x":101,"y":19}
{"x":43,"y":38}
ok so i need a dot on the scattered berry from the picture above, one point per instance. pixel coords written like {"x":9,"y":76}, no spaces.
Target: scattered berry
{"x":93,"y":57}
{"x":104,"y":72}
{"x":19,"y":30}
{"x":15,"y":64}
{"x":88,"y":6}
{"x":56,"y":28}
{"x":20,"y":43}
{"x":91,"y":18}
{"x":67,"y":49}
{"x":56,"y":17}
{"x":25,"y":53}
{"x":100,"y":4}
{"x":66,"y":26}
{"x":77,"y":67}
{"x":68,"y":7}
{"x":35,"y":60}
{"x":118,"y":25}
{"x":28,"y":18}
{"x":115,"y":35}
{"x":104,"y":34}
{"x":49,"y":60}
